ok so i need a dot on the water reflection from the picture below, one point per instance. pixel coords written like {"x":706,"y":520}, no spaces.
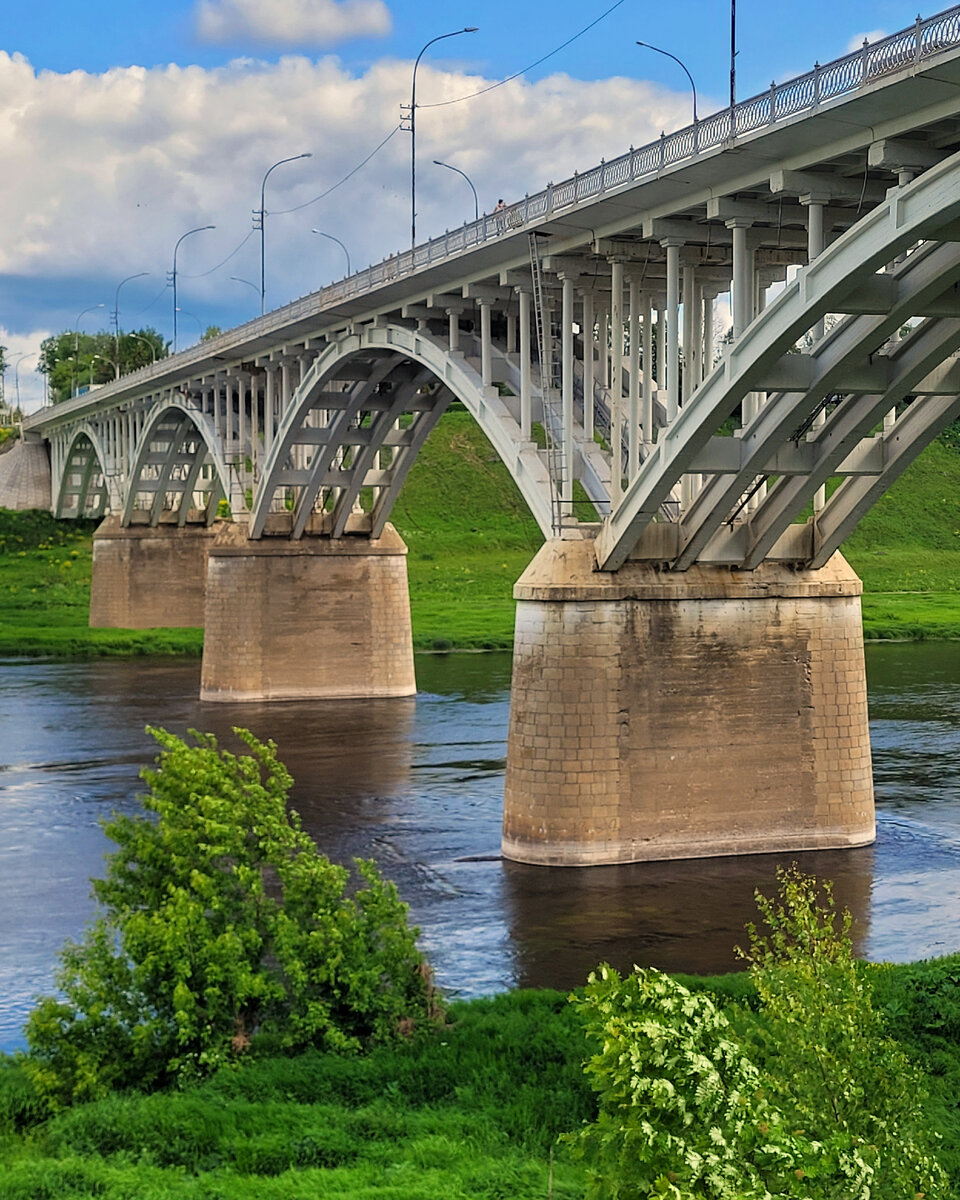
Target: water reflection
{"x":418,"y":785}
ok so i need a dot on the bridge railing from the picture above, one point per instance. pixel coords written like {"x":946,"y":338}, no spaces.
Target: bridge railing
{"x":872,"y":61}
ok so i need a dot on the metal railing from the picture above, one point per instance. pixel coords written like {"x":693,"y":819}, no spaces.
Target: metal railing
{"x":873,"y":61}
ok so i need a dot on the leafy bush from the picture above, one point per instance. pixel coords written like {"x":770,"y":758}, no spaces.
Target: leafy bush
{"x":222,"y":922}
{"x":806,"y":1097}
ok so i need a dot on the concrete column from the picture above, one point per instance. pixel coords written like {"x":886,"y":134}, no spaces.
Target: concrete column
{"x":616,"y":380}
{"x":672,"y":363}
{"x":269,"y":407}
{"x":566,"y":320}
{"x":646,"y":411}
{"x":742,"y":276}
{"x":661,"y":346}
{"x":633,"y":431}
{"x":690,"y":355}
{"x":511,"y":333}
{"x":708,"y":347}
{"x":319,"y":618}
{"x":605,"y":763}
{"x":525,"y":388}
{"x":486,"y":351}
{"x":453,"y":328}
{"x":242,"y":435}
{"x":603,"y":325}
{"x":815,"y":243}
{"x":589,"y":367}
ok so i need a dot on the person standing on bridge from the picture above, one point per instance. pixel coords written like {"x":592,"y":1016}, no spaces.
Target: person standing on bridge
{"x":499,"y":212}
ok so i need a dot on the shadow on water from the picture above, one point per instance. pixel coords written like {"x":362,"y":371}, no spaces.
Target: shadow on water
{"x":417,"y":784}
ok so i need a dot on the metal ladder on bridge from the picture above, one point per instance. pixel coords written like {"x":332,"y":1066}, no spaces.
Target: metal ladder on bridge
{"x":550,"y":390}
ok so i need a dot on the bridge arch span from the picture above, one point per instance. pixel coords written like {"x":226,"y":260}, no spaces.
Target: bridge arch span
{"x":82,"y":489}
{"x":359,"y":419}
{"x":179,"y":460}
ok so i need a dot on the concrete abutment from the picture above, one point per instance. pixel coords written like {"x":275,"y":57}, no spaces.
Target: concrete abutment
{"x":658,"y":715}
{"x":314,"y":618}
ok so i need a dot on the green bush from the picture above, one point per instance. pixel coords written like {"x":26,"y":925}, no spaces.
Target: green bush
{"x":808,"y":1096}
{"x":222,"y":923}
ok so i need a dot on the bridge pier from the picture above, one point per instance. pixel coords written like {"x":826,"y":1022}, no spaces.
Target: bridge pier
{"x":313,"y":618}
{"x":660,"y":715}
{"x":148,"y":577}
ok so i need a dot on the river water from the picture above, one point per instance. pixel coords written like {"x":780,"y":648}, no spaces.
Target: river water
{"x":418,"y":785}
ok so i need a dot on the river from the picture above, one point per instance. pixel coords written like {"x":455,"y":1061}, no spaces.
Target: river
{"x":418,"y":784}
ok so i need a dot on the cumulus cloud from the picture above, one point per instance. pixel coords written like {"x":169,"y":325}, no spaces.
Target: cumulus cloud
{"x":871,"y":35}
{"x":291,"y":22}
{"x":103,"y":173}
{"x":22,"y":383}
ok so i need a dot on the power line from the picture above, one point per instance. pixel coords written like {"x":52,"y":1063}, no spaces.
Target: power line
{"x":306,"y":204}
{"x":516,"y":75}
{"x":223,"y":263}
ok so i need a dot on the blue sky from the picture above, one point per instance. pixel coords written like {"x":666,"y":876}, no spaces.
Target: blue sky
{"x":123,"y":125}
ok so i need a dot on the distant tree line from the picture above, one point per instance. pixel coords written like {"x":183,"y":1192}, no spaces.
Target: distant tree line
{"x":74,"y":361}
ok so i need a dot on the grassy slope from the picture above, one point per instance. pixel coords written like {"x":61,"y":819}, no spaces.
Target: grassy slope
{"x":473,"y":1110}
{"x":470,"y":537}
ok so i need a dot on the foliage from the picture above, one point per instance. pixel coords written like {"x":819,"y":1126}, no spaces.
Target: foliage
{"x":472,"y":1108}
{"x":221,"y":922}
{"x":211,"y":332}
{"x":831,"y":1063}
{"x":73,"y":360}
{"x":809,"y":1096}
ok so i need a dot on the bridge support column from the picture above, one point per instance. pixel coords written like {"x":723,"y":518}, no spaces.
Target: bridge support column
{"x":685,"y":715}
{"x":148,"y":577}
{"x":316,"y":618}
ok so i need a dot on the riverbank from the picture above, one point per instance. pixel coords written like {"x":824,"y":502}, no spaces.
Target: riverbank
{"x":470,"y":536}
{"x":472,"y":1109}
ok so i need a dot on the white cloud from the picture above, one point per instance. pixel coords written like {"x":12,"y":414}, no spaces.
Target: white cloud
{"x":871,"y":35}
{"x":22,"y":383}
{"x":103,"y":173}
{"x":291,"y":22}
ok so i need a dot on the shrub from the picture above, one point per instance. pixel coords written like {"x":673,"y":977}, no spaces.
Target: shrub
{"x":220,"y":922}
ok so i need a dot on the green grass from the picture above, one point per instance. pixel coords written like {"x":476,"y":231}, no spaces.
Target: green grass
{"x":471,"y":1111}
{"x":470,"y":536}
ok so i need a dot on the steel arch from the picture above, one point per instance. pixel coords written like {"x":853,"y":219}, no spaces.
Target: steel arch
{"x":407,"y":360}
{"x":926,"y":209}
{"x":176,"y":443}
{"x":87,"y":468}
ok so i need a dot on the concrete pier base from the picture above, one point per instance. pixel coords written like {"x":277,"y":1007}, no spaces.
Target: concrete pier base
{"x":148,"y":577}
{"x":710,"y":712}
{"x":318,"y":618}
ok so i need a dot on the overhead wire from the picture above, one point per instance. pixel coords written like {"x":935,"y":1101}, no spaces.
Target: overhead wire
{"x":223,"y":263}
{"x":516,"y":75}
{"x":340,"y":182}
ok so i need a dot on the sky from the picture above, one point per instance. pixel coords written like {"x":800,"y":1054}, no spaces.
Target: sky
{"x":124,"y":125}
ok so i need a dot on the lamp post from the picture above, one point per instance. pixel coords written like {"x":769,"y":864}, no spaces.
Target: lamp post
{"x":237,"y":279}
{"x":320,"y":233}
{"x":413,"y":128}
{"x":16,"y":371}
{"x":667,"y":54}
{"x":263,"y":214}
{"x":92,"y":361}
{"x":173,"y":277}
{"x":116,"y":319}
{"x":146,"y":341}
{"x":476,"y":202}
{"x":76,"y":342}
{"x":193,"y":317}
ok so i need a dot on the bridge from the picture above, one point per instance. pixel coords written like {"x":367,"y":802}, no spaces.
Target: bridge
{"x":688,"y":669}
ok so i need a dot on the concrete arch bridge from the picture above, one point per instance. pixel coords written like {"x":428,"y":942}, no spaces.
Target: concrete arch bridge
{"x":688,"y":674}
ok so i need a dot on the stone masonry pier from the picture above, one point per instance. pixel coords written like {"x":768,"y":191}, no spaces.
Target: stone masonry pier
{"x":312,"y":618}
{"x":660,"y":715}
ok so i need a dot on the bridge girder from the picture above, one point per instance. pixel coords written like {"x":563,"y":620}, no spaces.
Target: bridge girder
{"x":83,"y":465}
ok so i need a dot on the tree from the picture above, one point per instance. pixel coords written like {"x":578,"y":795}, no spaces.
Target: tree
{"x":210,"y":333}
{"x":72,"y":360}
{"x":222,"y":924}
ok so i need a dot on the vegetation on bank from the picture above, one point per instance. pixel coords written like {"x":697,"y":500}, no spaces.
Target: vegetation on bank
{"x":470,"y":536}
{"x":237,"y":1024}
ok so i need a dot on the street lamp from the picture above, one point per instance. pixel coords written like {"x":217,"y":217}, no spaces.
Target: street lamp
{"x":339,"y":243}
{"x":193,"y":317}
{"x":116,"y":319}
{"x":16,"y":371}
{"x":173,"y":277}
{"x":76,"y":342}
{"x":262,"y":214}
{"x":92,"y":361}
{"x":413,"y":128}
{"x":476,"y":202}
{"x":237,"y":279}
{"x":146,"y":341}
{"x":667,"y":54}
